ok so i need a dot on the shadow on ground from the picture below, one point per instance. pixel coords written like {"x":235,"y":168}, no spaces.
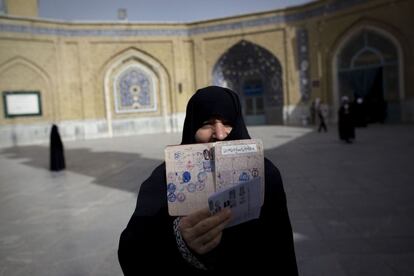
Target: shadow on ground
{"x":351,"y":206}
{"x":125,"y":171}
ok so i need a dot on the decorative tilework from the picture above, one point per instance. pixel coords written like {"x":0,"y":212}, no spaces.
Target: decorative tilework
{"x":91,"y":32}
{"x":303,"y":63}
{"x":326,"y":9}
{"x":134,"y":91}
{"x":246,"y":61}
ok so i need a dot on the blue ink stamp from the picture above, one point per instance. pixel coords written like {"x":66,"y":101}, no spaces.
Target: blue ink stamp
{"x":180,"y":197}
{"x":186,"y":177}
{"x":202,"y":176}
{"x":171,"y":187}
{"x":171,"y":197}
{"x":207,"y":165}
{"x":191,"y":187}
{"x":200,"y":186}
{"x":244,"y":177}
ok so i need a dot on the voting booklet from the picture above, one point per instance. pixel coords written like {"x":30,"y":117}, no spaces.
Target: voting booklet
{"x":195,"y":172}
{"x":243,"y":199}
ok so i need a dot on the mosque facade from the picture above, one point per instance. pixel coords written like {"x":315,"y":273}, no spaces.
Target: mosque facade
{"x":106,"y":79}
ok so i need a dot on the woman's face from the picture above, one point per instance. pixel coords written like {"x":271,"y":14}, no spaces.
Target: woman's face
{"x":213,"y":130}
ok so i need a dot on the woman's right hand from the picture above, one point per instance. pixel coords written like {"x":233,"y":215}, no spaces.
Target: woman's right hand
{"x":202,"y":231}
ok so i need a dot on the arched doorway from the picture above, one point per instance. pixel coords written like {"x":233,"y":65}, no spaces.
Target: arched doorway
{"x":136,"y":94}
{"x":368,"y":71}
{"x":256,"y":75}
{"x":253,"y":102}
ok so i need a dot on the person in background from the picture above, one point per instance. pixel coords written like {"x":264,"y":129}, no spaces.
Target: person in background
{"x":322,"y":112}
{"x":57,"y":155}
{"x":199,"y":243}
{"x":346,"y":126}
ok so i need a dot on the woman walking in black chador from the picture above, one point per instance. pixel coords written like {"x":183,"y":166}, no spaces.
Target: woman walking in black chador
{"x":57,"y":156}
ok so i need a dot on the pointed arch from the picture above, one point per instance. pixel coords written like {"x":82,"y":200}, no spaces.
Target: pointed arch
{"x":154,"y":72}
{"x":256,"y":74}
{"x":35,"y":77}
{"x":19,"y":60}
{"x":368,"y":27}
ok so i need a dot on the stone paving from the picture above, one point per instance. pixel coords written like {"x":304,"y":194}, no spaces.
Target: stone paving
{"x":351,"y":205}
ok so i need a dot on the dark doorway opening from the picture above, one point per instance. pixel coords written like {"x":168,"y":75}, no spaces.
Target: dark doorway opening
{"x":367,"y":88}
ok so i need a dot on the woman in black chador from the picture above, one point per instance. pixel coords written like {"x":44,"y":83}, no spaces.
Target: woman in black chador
{"x":57,"y":157}
{"x":153,"y":241}
{"x":346,"y":126}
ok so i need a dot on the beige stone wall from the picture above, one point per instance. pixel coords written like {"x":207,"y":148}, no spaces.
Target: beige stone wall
{"x":71,"y":81}
{"x":70,"y":70}
{"x":326,"y":34}
{"x":34,"y":70}
{"x":105,"y":51}
{"x":26,"y":8}
{"x":187,"y":73}
{"x":75,"y":70}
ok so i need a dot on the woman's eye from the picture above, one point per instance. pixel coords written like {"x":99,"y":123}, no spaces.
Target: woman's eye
{"x":206,"y":126}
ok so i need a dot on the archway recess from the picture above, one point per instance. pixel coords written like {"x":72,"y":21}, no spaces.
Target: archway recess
{"x":368,"y":65}
{"x":136,"y":94}
{"x":256,"y":75}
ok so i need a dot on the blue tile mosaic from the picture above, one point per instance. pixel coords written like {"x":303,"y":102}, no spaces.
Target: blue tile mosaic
{"x":303,"y":63}
{"x":134,"y":91}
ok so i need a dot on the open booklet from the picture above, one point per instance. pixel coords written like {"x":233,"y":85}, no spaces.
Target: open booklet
{"x":216,"y":172}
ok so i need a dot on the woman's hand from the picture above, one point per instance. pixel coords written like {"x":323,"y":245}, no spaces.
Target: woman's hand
{"x":202,"y":231}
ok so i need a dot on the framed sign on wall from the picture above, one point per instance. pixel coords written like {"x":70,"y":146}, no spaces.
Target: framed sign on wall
{"x":22,"y":103}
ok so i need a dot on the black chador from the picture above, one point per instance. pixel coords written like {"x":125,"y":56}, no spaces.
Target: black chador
{"x":57,"y":156}
{"x":149,"y":242}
